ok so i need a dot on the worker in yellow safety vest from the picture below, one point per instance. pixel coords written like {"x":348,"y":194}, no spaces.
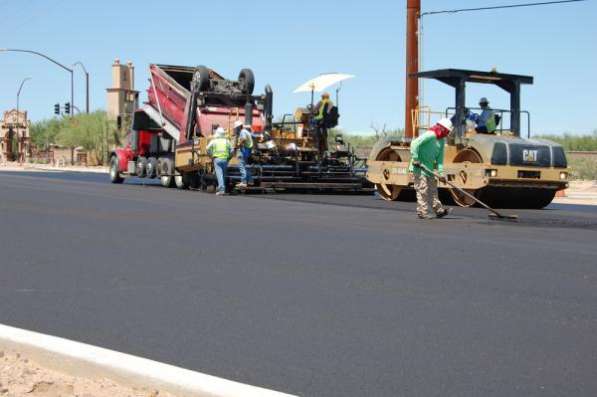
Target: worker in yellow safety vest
{"x":220,"y":150}
{"x":486,"y":121}
{"x":322,"y":109}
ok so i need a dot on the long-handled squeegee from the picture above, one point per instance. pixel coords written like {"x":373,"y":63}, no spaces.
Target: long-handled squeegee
{"x":493,"y":213}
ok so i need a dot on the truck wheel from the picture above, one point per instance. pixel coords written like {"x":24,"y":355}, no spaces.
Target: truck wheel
{"x":141,"y":167}
{"x":182,"y":181}
{"x":151,"y":167}
{"x":167,"y":181}
{"x":246,"y":81}
{"x":114,"y":172}
{"x":203,"y":77}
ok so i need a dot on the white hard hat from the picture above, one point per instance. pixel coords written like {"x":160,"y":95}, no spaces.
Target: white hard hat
{"x":238,"y":123}
{"x":447,"y":123}
{"x":220,"y":131}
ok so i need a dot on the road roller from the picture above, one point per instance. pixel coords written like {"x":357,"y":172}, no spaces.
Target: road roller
{"x":500,"y":167}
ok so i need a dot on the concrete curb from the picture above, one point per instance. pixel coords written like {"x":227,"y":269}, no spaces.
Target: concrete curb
{"x":91,"y":361}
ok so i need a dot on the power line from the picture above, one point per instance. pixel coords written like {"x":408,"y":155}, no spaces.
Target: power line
{"x":543,"y":3}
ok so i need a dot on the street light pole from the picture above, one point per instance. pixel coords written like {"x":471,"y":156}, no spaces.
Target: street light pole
{"x":19,"y":92}
{"x":86,"y":85}
{"x":71,"y":71}
{"x":18,"y":118}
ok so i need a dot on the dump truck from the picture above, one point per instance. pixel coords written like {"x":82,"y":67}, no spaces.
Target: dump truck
{"x":170,"y":133}
{"x":500,"y":168}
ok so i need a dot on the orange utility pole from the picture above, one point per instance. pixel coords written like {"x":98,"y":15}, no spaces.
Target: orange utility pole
{"x":413,"y":11}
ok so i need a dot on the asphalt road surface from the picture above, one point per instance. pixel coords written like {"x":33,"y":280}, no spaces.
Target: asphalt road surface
{"x":313,"y":295}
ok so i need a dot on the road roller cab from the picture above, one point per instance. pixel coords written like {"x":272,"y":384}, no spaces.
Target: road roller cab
{"x":501,"y":168}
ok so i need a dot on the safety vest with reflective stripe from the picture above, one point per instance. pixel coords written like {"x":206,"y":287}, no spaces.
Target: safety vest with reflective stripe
{"x":220,"y":148}
{"x":490,"y":122}
{"x":322,"y":106}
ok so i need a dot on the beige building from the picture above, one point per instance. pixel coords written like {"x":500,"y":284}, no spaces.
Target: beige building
{"x":122,"y":97}
{"x":15,"y":141}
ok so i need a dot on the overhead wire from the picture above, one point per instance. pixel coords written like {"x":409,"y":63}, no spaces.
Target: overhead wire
{"x":542,"y":3}
{"x":488,"y":8}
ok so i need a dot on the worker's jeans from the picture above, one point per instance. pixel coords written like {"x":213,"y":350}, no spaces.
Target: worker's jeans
{"x":221,"y":166}
{"x":426,"y":188}
{"x":243,"y":159}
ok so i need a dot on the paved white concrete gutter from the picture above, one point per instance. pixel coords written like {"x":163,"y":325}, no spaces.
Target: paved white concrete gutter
{"x":81,"y":359}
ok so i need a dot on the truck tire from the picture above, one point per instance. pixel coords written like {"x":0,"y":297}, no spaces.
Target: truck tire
{"x":167,"y":180}
{"x":246,"y":81}
{"x":114,"y":172}
{"x":151,"y":167}
{"x":182,"y":181}
{"x":141,"y":167}
{"x":203,"y":77}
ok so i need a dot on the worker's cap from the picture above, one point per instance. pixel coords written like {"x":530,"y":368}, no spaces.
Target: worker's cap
{"x":446,"y":123}
{"x":325,"y":95}
{"x":238,"y":123}
{"x":483,"y":101}
{"x":220,"y":131}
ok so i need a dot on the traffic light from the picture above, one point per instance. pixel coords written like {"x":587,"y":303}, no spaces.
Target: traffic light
{"x":67,"y":108}
{"x":57,"y":109}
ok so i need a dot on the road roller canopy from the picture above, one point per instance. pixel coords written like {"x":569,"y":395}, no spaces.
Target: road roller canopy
{"x":457,"y":78}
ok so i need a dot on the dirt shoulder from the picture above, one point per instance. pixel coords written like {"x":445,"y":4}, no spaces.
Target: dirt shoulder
{"x":580,"y":192}
{"x":21,"y":376}
{"x":30,"y":167}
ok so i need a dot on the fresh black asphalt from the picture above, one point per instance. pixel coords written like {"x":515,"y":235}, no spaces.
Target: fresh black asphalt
{"x":312,"y":295}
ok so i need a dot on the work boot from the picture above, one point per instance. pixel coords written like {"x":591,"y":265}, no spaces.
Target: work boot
{"x":424,"y":216}
{"x":443,"y":212}
{"x":241,"y":185}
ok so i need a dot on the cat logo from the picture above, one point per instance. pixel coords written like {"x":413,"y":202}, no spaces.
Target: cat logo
{"x":529,"y":156}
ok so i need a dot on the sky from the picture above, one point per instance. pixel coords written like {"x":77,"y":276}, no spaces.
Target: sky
{"x":288,"y":42}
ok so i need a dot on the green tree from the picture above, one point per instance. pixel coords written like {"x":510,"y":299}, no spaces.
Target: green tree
{"x":587,"y":142}
{"x":44,"y":133}
{"x":93,"y":132}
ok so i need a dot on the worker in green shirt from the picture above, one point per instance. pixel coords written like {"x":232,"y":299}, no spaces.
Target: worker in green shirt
{"x":428,"y":150}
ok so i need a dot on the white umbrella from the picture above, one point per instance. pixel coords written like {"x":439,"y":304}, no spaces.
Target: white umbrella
{"x":323,"y":81}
